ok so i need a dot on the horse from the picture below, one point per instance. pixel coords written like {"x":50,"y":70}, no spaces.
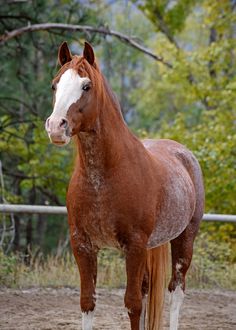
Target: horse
{"x":125,"y":193}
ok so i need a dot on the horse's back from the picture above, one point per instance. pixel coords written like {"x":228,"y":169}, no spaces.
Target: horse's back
{"x":169,"y":147}
{"x":179,"y":162}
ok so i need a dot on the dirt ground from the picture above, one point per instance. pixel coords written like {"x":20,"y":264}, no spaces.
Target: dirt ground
{"x":56,"y":309}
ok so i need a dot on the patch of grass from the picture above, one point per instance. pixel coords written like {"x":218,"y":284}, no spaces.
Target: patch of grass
{"x":211,"y":267}
{"x":213,"y":264}
{"x":111,"y":269}
{"x":52,"y":271}
{"x":60,"y":271}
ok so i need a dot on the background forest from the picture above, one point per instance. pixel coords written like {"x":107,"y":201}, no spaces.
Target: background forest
{"x":188,"y":93}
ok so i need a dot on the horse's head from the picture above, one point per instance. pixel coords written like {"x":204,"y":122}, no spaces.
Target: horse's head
{"x":75,"y":88}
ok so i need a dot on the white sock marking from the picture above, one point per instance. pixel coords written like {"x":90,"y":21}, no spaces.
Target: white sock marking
{"x":87,"y":320}
{"x":143,"y":314}
{"x":176,"y":300}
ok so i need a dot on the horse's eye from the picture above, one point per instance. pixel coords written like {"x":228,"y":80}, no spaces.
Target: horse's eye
{"x":86,"y":87}
{"x":53,"y":87}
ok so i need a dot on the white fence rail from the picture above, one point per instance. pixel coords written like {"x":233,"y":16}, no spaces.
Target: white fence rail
{"x":32,"y":209}
{"x":42,"y":209}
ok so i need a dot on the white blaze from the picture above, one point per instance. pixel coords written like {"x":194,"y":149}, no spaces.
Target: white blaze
{"x":69,"y":91}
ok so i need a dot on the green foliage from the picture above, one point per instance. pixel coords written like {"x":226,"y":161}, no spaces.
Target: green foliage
{"x":166,"y":14}
{"x":213,"y":142}
{"x":128,"y":73}
{"x":29,"y":162}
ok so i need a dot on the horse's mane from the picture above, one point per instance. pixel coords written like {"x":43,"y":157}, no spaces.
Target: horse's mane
{"x":112,"y":95}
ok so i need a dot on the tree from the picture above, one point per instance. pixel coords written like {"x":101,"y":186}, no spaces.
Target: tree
{"x":194,"y":103}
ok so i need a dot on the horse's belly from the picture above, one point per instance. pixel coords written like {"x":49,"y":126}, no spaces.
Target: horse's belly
{"x":175,"y":211}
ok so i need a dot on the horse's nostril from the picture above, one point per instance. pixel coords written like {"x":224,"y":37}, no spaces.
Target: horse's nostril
{"x":63,"y":123}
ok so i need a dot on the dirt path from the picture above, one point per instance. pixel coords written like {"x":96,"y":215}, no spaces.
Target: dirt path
{"x":51,"y":309}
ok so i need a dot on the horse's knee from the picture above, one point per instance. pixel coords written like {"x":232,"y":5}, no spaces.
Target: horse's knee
{"x":133,"y":304}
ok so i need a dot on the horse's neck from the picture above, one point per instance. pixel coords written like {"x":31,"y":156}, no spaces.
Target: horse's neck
{"x":105,"y":146}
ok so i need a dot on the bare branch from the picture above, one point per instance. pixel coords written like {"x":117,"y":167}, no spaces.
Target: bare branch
{"x":84,"y":28}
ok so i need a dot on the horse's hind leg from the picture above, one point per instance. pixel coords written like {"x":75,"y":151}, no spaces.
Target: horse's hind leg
{"x":181,"y":253}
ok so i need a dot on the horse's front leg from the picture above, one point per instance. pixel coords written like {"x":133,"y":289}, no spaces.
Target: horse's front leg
{"x":136,"y":256}
{"x":86,"y":258}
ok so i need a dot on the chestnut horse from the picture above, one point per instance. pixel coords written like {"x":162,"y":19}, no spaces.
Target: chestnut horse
{"x":124,"y":193}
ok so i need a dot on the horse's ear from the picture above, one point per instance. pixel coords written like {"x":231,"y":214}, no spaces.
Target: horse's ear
{"x":64,"y":54}
{"x":88,"y":53}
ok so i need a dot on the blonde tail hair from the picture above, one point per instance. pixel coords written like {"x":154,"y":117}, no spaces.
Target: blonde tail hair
{"x":157,"y":265}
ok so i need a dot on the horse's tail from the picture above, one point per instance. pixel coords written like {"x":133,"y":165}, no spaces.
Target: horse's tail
{"x":157,"y":265}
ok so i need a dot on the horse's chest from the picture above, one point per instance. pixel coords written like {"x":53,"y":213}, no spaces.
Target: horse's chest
{"x":96,"y":216}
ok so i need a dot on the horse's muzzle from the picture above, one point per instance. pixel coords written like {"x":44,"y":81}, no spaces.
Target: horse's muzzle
{"x":58,"y":130}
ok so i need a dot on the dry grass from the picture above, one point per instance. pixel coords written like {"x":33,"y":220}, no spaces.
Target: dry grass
{"x":210,"y":269}
{"x":60,"y":271}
